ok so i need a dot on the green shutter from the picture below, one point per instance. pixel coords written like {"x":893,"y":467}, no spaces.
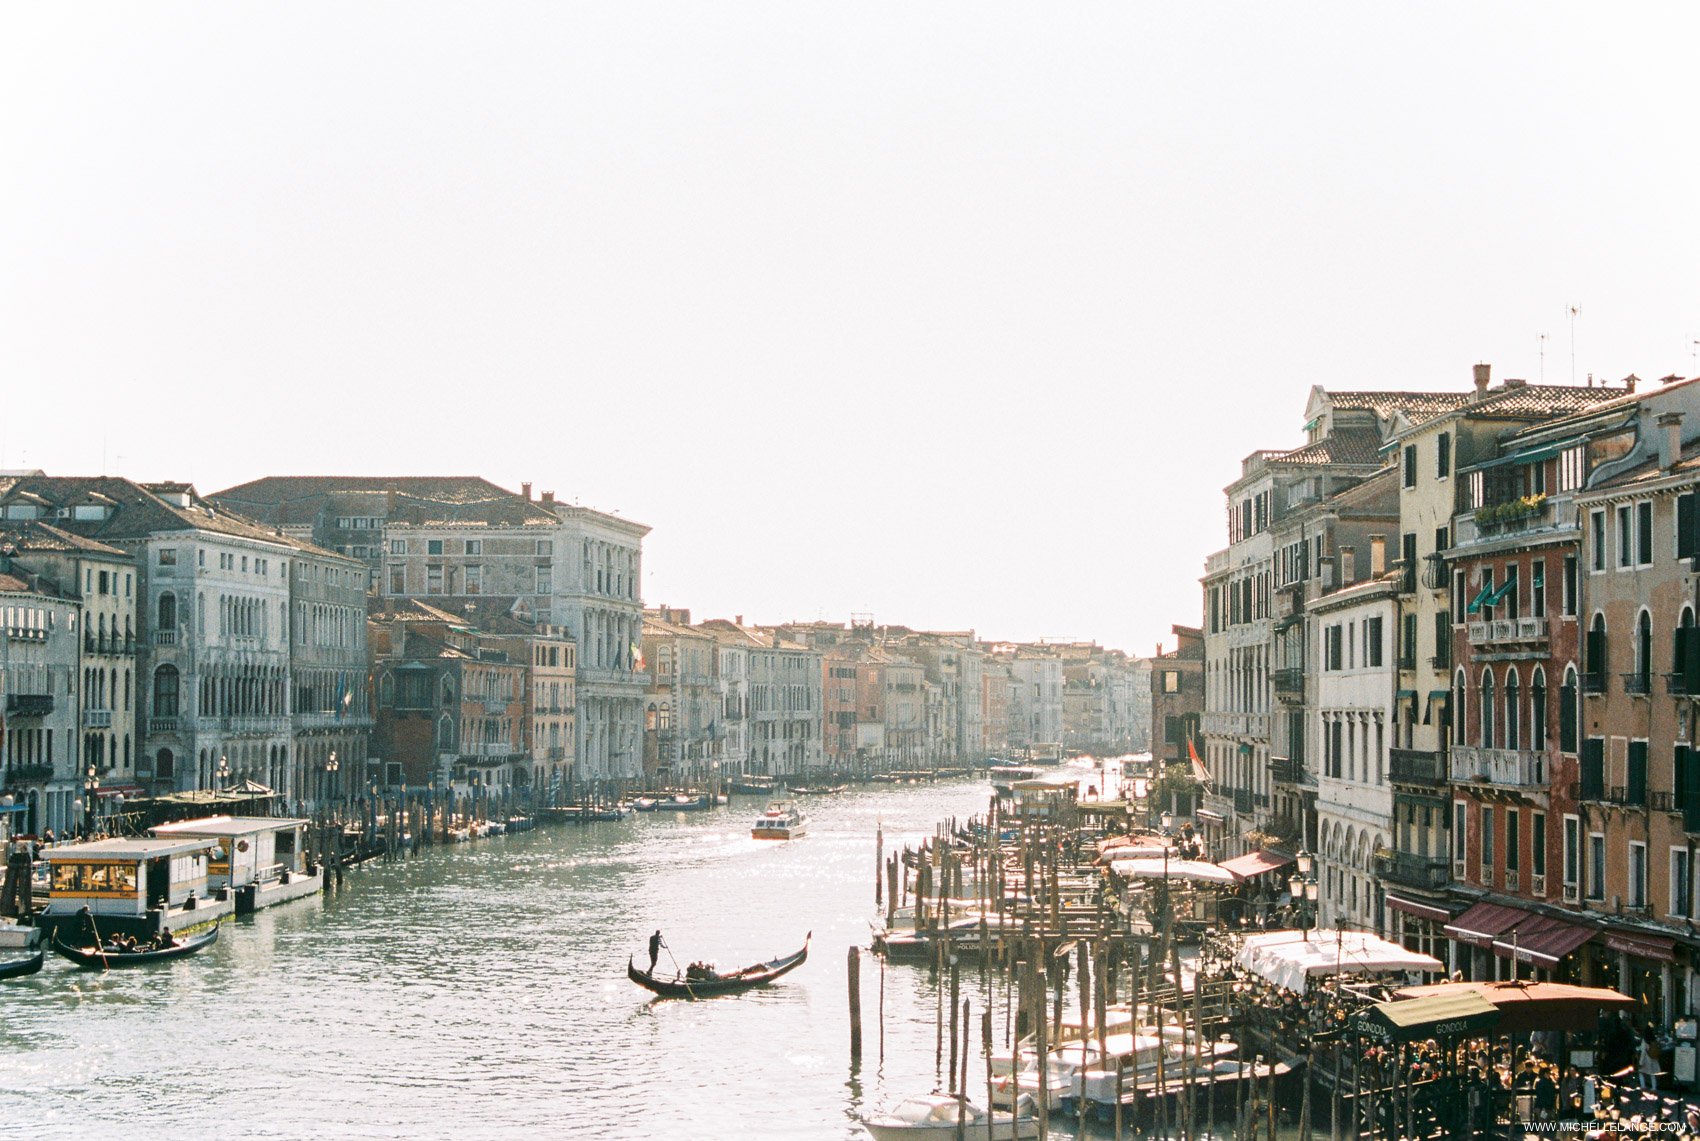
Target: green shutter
{"x":1594,"y":768}
{"x":1687,"y":535}
{"x":1637,"y":772}
{"x":1690,"y":791}
{"x":1679,"y":777}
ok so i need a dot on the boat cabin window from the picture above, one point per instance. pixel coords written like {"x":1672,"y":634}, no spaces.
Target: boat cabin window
{"x":115,"y":879}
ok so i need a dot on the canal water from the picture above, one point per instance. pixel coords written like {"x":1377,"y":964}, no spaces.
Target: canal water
{"x":480,"y":991}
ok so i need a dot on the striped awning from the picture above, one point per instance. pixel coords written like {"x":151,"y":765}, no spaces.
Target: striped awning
{"x":1420,"y":910}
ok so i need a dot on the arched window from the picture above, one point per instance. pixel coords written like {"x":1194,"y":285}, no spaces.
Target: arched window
{"x":165,"y":691}
{"x":1488,"y":736}
{"x":167,"y":612}
{"x":1569,"y":697}
{"x":1513,"y":714}
{"x":1644,"y":652}
{"x":1594,"y":655}
{"x":1538,"y":710}
{"x":1459,"y":689}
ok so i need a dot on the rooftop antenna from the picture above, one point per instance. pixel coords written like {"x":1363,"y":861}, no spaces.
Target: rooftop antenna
{"x":1575,"y":312}
{"x":1543,"y":340}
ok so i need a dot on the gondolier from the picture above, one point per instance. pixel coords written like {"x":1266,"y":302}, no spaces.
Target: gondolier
{"x":655,"y":945}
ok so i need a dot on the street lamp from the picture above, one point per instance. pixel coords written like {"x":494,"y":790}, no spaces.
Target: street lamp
{"x":77,"y":812}
{"x":223,"y":773}
{"x":92,"y":783}
{"x":1303,"y":889}
{"x":331,"y":767}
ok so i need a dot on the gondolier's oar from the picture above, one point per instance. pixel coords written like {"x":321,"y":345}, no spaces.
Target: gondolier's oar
{"x":677,"y":972}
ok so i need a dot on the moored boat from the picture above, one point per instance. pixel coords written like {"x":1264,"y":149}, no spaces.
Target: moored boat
{"x":18,"y":968}
{"x":108,"y":955}
{"x":701,"y":981}
{"x":938,"y":1117}
{"x":783,"y":820}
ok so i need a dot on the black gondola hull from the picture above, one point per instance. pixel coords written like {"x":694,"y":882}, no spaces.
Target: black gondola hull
{"x":18,"y":968}
{"x":746,"y":979}
{"x":93,"y":958}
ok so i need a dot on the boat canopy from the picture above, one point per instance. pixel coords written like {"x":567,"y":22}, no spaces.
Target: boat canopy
{"x":1290,"y":958}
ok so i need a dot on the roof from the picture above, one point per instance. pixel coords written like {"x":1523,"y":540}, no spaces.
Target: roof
{"x":36,"y":535}
{"x":419,"y":500}
{"x":139,"y":511}
{"x":1414,"y":406}
{"x":124,"y":848}
{"x":1357,"y":446}
{"x":1545,"y":400}
{"x":1449,"y":1015}
{"x":227,"y":826}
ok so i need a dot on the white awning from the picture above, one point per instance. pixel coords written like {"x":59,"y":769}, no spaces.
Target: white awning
{"x":1290,"y":958}
{"x":1146,"y":868}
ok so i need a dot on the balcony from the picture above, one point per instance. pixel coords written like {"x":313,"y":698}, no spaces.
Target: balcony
{"x":1594,"y":683}
{"x":165,"y":637}
{"x":1413,"y":766}
{"x":1676,"y":684}
{"x":1514,"y":768}
{"x":557,"y":752}
{"x":1290,"y":684}
{"x":495,"y":708}
{"x":1408,"y":870}
{"x":162,"y":725}
{"x":97,"y":719}
{"x":1512,"y":516}
{"x":29,"y":774}
{"x":1242,"y":802}
{"x":1287,"y":770}
{"x":1407,"y":577}
{"x":1508,"y":631}
{"x":29,"y":704}
{"x":1638,"y":684}
{"x":1628,"y":796}
{"x":1436,"y":574}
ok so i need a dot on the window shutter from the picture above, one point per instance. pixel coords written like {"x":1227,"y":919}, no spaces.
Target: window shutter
{"x":1691,"y":660}
{"x":1690,"y":791}
{"x":1567,"y":719}
{"x":1596,"y":656}
{"x":1638,"y":772}
{"x":1687,"y":538}
{"x":1594,"y":768}
{"x":1679,"y":777}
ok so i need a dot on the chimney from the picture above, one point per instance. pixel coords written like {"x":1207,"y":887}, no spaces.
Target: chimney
{"x":1671,"y":379}
{"x":1348,"y":565}
{"x":1482,"y":373}
{"x":549,"y":501}
{"x":738,"y":620}
{"x":389,"y":500}
{"x":1377,"y":555}
{"x":1515,"y":382}
{"x":525,"y":490}
{"x":1630,"y":381}
{"x":1670,"y":449}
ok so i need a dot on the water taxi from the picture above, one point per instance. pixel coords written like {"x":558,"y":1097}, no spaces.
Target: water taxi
{"x":782,"y":821}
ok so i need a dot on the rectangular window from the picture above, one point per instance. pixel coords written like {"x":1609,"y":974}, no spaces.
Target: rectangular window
{"x":1408,"y":647}
{"x":168,"y":556}
{"x":398,"y":546}
{"x":1443,"y":455}
{"x":1171,"y":681}
{"x":1458,"y":818}
{"x":1644,"y":539}
{"x":1538,"y":843}
{"x":1489,"y":862}
{"x":1625,"y":536}
{"x":475,"y":546}
{"x":545,"y":581}
{"x":433,"y":546}
{"x":1513,"y":839}
{"x":1569,"y":600}
{"x":1596,"y":865}
{"x":1372,"y":643}
{"x":1332,"y":643}
{"x":1597,"y":539}
{"x":1637,"y":874}
{"x":1680,"y":889}
{"x":474,"y":578}
{"x":1572,"y":851}
{"x":1442,"y":638}
{"x":398,"y":580}
{"x":433,"y":579}
{"x":1410,"y":465}
{"x":1571,"y":468}
{"x":1593,"y":783}
{"x":1637,"y":773}
{"x":545,"y":548}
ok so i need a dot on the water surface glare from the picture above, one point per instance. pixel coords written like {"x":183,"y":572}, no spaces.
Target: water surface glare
{"x":480,"y":991}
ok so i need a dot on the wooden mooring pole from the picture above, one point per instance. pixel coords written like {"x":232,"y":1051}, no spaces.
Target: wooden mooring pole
{"x":854,"y":964}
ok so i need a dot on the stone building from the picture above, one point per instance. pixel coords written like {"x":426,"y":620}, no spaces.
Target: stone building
{"x":682,"y":708}
{"x":329,"y":702}
{"x":40,"y":648}
{"x":1177,"y":702}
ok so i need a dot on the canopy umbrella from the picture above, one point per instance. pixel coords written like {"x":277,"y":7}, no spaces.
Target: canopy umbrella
{"x":1147,"y":868}
{"x":1289,"y":958}
{"x":1526,"y":1005}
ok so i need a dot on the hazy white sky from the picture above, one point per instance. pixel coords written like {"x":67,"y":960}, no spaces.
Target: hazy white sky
{"x":959,"y":314}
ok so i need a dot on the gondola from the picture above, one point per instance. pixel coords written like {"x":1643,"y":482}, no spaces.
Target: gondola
{"x":681,"y":986}
{"x":18,"y":968}
{"x":100,"y":958}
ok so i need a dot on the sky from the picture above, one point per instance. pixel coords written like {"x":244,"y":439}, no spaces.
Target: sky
{"x":957,"y":315}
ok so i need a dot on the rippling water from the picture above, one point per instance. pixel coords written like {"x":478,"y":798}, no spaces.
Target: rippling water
{"x":481,"y":990}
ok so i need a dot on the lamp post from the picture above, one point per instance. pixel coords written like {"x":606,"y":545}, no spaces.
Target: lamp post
{"x":77,"y":814}
{"x":331,"y":767}
{"x":223,"y":773}
{"x":1303,"y":889}
{"x":91,"y":786}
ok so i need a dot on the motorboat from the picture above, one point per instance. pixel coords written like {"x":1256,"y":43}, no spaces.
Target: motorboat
{"x":937,"y":1117}
{"x":783,"y":820}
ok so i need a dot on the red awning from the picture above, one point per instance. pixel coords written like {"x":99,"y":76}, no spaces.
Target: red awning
{"x":1243,"y":868}
{"x":1484,"y":921}
{"x":1542,"y":940}
{"x":1420,"y":910}
{"x":1642,"y":945}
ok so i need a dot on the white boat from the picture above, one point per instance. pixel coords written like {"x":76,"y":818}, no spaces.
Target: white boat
{"x":783,"y":820}
{"x":933,"y":1117}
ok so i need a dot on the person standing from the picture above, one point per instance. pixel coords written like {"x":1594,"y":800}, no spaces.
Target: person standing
{"x":1647,"y":1064}
{"x":655,"y":945}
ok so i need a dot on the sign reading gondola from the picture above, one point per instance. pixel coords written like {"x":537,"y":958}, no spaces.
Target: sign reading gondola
{"x":1444,"y":1017}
